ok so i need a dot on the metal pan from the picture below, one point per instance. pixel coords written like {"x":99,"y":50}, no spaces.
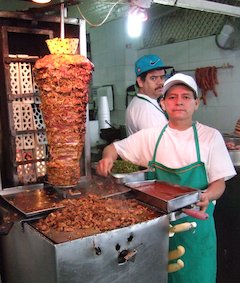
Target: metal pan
{"x":123,"y":178}
{"x":164,"y":196}
{"x":33,"y":200}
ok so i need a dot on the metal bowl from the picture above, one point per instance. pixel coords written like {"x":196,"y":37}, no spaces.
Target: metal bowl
{"x":235,"y":156}
{"x":233,"y":145}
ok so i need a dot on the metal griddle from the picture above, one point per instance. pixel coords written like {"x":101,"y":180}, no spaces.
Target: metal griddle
{"x":58,"y":237}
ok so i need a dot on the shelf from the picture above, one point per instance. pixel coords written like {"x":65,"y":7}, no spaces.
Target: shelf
{"x":15,"y":133}
{"x":32,"y":161}
{"x":12,"y":97}
{"x":30,"y":59}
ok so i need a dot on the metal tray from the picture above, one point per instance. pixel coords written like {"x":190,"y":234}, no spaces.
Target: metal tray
{"x":122,"y":178}
{"x":33,"y":200}
{"x":164,"y":196}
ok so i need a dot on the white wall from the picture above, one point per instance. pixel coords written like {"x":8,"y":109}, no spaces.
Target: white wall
{"x":114,"y":54}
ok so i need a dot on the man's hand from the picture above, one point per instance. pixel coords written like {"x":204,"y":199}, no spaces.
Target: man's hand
{"x":106,"y":163}
{"x":104,"y":166}
{"x":204,"y":202}
{"x":213,"y":192}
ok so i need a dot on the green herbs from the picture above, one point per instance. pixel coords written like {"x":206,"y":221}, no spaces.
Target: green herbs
{"x":122,"y":166}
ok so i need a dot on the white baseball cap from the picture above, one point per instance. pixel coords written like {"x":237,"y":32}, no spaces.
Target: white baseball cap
{"x":180,"y":79}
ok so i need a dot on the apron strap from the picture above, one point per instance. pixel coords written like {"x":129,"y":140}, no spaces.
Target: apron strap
{"x":196,"y":141}
{"x":157,"y":143}
{"x":159,"y":109}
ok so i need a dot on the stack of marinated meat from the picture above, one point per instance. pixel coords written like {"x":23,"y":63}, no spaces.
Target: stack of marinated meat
{"x":63,"y":81}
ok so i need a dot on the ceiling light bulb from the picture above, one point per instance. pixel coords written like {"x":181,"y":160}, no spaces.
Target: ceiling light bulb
{"x":41,"y":1}
{"x":136,"y":17}
{"x":134,"y":26}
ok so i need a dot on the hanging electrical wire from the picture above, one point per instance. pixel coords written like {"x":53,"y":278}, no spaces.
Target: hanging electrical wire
{"x":104,"y":20}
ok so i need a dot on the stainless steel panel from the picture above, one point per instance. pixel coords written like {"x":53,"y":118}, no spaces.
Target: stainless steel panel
{"x":27,"y":257}
{"x":30,"y":257}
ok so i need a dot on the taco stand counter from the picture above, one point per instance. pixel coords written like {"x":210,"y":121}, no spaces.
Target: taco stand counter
{"x":136,"y":253}
{"x":29,"y":256}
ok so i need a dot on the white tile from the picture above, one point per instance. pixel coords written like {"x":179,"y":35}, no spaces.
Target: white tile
{"x":115,"y":61}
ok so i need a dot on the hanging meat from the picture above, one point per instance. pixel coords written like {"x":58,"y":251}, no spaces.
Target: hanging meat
{"x":63,"y":81}
{"x":206,"y":79}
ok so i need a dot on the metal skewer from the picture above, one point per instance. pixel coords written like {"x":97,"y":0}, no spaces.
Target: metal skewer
{"x":62,"y":31}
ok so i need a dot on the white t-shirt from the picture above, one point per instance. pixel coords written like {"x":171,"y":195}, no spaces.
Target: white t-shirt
{"x":141,"y":114}
{"x":177,"y":149}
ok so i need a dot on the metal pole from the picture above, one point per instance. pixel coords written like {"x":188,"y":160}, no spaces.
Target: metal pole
{"x":83,"y":38}
{"x":83,"y":52}
{"x":62,"y":31}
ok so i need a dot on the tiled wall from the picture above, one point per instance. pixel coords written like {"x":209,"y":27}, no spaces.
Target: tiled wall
{"x":114,"y":54}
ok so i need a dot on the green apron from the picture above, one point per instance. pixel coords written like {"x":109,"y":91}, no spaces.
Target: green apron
{"x":200,"y":245}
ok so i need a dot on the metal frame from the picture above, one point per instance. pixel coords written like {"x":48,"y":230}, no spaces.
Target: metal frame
{"x":87,"y":147}
{"x":86,"y":158}
{"x":203,"y":5}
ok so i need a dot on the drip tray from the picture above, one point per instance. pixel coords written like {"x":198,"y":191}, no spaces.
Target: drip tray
{"x":32,"y":201}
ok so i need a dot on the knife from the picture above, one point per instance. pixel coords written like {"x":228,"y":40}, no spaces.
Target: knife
{"x":115,"y":194}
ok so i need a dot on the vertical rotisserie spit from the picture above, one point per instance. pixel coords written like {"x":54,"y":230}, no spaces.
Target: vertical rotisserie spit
{"x":63,"y":81}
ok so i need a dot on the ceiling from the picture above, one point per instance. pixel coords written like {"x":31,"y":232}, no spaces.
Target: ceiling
{"x":98,"y":9}
{"x":96,"y":12}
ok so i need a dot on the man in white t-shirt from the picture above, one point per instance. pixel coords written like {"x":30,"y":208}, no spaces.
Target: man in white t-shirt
{"x":185,"y":153}
{"x":144,"y":110}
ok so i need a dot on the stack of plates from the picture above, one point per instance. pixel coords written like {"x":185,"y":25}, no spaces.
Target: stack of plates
{"x":103,"y":113}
